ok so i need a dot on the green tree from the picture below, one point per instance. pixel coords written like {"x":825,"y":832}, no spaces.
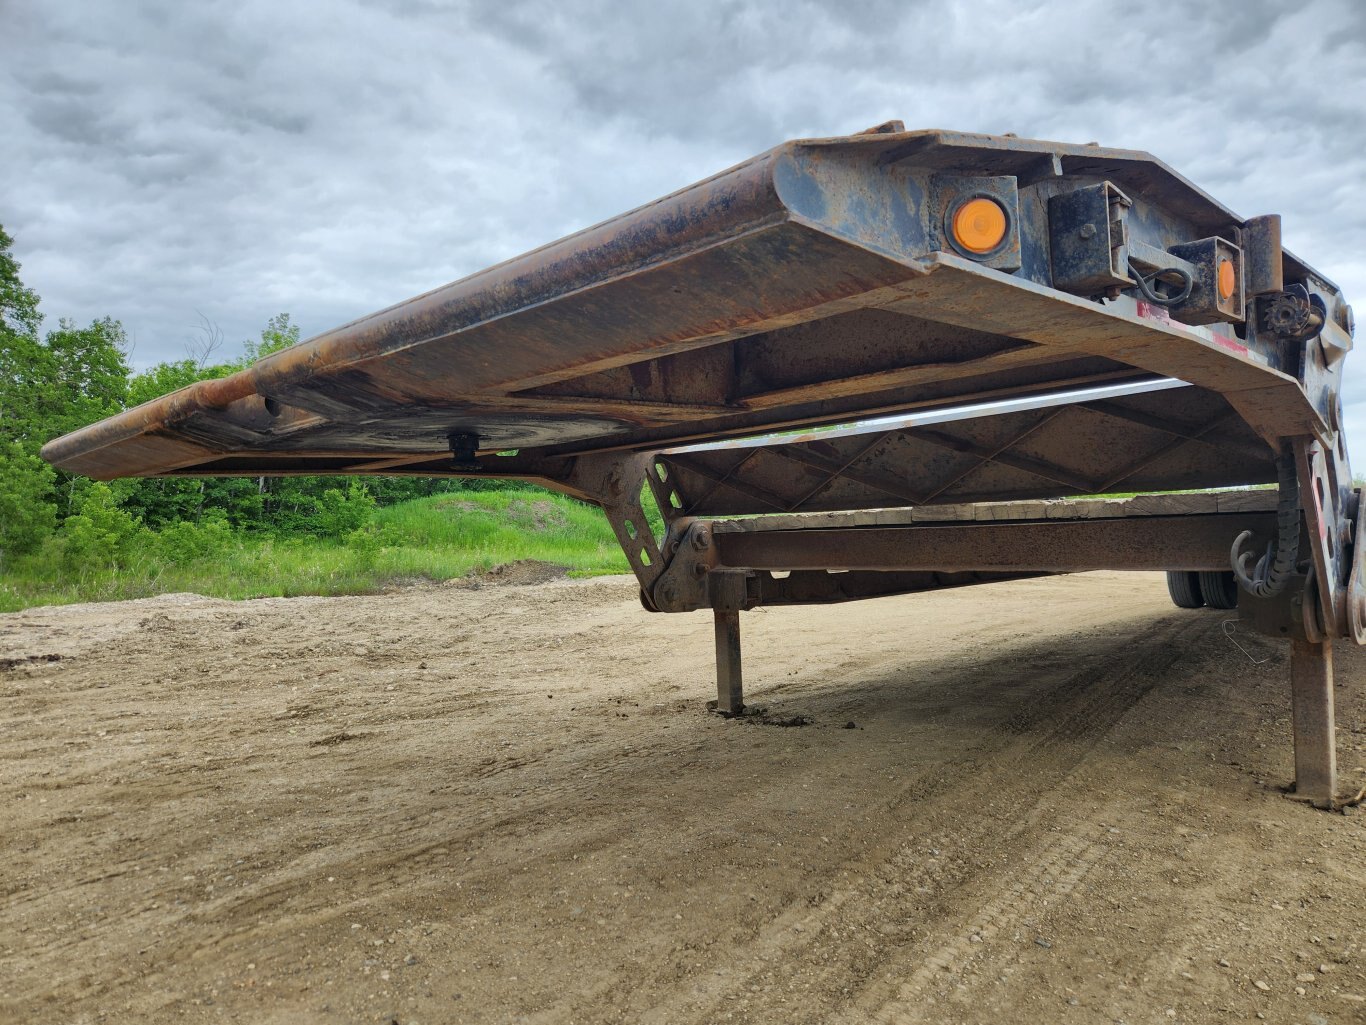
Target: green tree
{"x":278,"y":334}
{"x":22,"y":358}
{"x":71,"y":378}
{"x":91,"y":368}
{"x":185,"y":542}
{"x":26,"y":373}
{"x":162,"y":379}
{"x":27,"y":517}
{"x":18,"y":305}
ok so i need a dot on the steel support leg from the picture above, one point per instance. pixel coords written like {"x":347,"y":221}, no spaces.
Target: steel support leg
{"x":1311,"y":701}
{"x":729,"y":683}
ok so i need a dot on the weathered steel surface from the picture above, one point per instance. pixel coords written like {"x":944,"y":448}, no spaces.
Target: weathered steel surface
{"x":1184,"y":439}
{"x":810,"y":285}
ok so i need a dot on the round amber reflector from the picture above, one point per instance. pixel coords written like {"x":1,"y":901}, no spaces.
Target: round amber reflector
{"x":1228,"y":279}
{"x":979,"y":225}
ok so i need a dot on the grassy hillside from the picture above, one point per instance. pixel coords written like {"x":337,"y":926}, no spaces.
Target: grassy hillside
{"x":434,"y":538}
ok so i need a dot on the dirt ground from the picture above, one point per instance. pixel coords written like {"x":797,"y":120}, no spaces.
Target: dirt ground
{"x":1048,"y":801}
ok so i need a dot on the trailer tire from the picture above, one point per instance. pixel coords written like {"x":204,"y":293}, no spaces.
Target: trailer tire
{"x":1220,"y":590}
{"x":1184,"y":587}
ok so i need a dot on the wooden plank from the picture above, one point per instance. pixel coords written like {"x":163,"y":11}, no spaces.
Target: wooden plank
{"x":988,"y":511}
{"x":1199,"y":503}
{"x":1172,"y":505}
{"x":1257,"y":500}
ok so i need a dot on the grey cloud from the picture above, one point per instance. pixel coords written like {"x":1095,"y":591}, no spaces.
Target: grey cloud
{"x":239,"y":159}
{"x":71,"y":119}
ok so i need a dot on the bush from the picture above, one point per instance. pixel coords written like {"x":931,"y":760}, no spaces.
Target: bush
{"x":365,"y":543}
{"x":185,"y":542}
{"x":26,"y":516}
{"x":342,"y":512}
{"x":101,"y":535}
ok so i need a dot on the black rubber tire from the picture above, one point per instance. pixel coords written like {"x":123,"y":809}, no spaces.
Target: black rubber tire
{"x":1184,"y":587}
{"x":1219,"y":590}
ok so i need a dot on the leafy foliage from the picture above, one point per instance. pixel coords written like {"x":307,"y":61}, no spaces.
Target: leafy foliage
{"x":436,"y":538}
{"x":18,"y":305}
{"x":183,"y":543}
{"x":101,"y":535}
{"x":278,"y":334}
{"x":344,"y":512}
{"x":27,"y":518}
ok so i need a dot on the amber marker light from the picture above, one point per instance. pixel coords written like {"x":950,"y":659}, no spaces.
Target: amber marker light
{"x":1228,"y":279}
{"x":979,"y":225}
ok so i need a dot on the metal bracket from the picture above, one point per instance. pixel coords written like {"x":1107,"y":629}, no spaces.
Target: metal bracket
{"x":618,"y":482}
{"x":622,"y":483}
{"x":685,"y":583}
{"x":1089,"y":240}
{"x":1311,"y":704}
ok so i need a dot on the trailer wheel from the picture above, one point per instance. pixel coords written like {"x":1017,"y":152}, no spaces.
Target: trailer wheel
{"x":1184,"y":587}
{"x":1219,"y":590}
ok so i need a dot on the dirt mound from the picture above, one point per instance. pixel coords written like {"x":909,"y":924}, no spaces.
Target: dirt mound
{"x":458,"y":505}
{"x":521,"y":573}
{"x":541,"y":514}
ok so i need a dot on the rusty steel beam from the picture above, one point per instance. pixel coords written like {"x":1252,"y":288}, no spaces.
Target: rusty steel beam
{"x":727,"y":480}
{"x":638,"y":410}
{"x":835,"y":470}
{"x":821,"y":588}
{"x":815,"y":415}
{"x":903,"y":377}
{"x":1059,"y":546}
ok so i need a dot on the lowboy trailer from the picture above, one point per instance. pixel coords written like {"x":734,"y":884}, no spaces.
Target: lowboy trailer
{"x":860,"y":366}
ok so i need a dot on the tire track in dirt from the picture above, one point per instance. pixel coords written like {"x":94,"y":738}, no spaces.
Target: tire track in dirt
{"x":1051,"y":873}
{"x":588,"y":768}
{"x":1033,"y":749}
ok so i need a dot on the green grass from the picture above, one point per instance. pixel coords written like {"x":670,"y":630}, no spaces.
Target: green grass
{"x":436,"y":538}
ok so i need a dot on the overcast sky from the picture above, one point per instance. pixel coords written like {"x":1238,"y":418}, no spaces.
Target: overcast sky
{"x":163,"y":161}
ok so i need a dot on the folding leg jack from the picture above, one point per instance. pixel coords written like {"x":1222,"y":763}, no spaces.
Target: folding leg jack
{"x":730,"y":696}
{"x":728,"y":598}
{"x":1311,"y":701}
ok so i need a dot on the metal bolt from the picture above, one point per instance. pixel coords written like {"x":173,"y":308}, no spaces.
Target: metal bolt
{"x":1087,"y":230}
{"x":701,"y":540}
